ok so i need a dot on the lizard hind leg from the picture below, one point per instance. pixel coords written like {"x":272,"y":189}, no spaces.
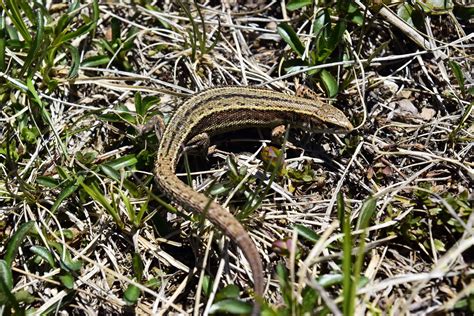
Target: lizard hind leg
{"x":198,"y":145}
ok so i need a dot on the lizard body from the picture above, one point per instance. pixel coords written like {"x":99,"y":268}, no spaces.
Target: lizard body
{"x":228,"y":108}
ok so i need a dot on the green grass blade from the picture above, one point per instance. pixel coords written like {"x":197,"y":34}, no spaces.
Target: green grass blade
{"x":366,"y":213}
{"x":96,"y":195}
{"x":45,"y":254}
{"x":131,"y":294}
{"x":330,"y":83}
{"x":294,"y":5}
{"x":75,"y":60}
{"x":63,"y":38}
{"x":348,"y":304}
{"x":13,"y":12}
{"x":26,"y":7}
{"x":34,"y":95}
{"x":8,"y":299}
{"x":3,"y":34}
{"x":456,"y":69}
{"x":6,"y":276}
{"x":69,"y":189}
{"x":34,"y":49}
{"x":291,"y":38}
{"x":16,"y":240}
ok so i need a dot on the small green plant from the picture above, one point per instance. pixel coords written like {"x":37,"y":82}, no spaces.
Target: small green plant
{"x":133,"y":292}
{"x":430,"y":214}
{"x":48,"y":41}
{"x":344,"y":284}
{"x":60,"y":258}
{"x":198,"y":35}
{"x":414,"y":12}
{"x":115,"y":50}
{"x":227,"y":301}
{"x":327,"y":44}
{"x":43,"y":47}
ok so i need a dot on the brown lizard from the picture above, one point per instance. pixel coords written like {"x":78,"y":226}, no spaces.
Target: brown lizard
{"x":228,"y":108}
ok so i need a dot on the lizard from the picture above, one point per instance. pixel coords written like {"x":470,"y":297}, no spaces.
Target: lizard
{"x":227,"y":108}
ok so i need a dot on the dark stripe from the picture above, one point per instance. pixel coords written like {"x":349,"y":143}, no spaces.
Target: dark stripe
{"x":190,"y":110}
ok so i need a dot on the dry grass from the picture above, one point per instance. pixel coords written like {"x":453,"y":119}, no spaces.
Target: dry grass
{"x":411,"y":151}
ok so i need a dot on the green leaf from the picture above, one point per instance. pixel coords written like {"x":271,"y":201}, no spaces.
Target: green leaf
{"x":63,"y":38}
{"x":405,"y":11}
{"x":67,"y":263}
{"x":66,"y":192}
{"x":340,"y":210}
{"x":336,"y":35}
{"x":329,"y":82}
{"x":366,"y":213}
{"x":284,"y":282}
{"x":291,"y":38}
{"x":2,"y":43}
{"x":75,"y":61}
{"x":45,"y":115}
{"x":297,"y":4}
{"x":327,"y":280}
{"x":29,"y":135}
{"x":137,"y":221}
{"x":436,"y":6}
{"x":138,"y":104}
{"x":153,"y":283}
{"x":115,"y":175}
{"x":44,"y":253}
{"x":123,"y":162}
{"x":28,"y":11}
{"x":48,"y":182}
{"x":128,"y":43}
{"x":137,"y":266}
{"x":6,"y":275}
{"x":63,"y":21}
{"x":15,"y":15}
{"x":16,"y":240}
{"x":148,"y":102}
{"x":67,"y":280}
{"x":231,"y":306}
{"x":355,"y":15}
{"x":95,"y":16}
{"x":207,"y":285}
{"x":94,"y":193}
{"x":218,"y":189}
{"x":294,"y":65}
{"x":307,"y":233}
{"x":116,"y":29}
{"x":35,"y":49}
{"x":131,"y":294}
{"x":232,"y":165}
{"x":63,"y":173}
{"x":24,"y":297}
{"x":439,"y":245}
{"x":14,"y":37}
{"x":120,"y":114}
{"x":68,"y":234}
{"x":458,"y":74}
{"x":87,"y":156}
{"x":310,"y":297}
{"x":95,"y":61}
{"x":6,"y":296}
{"x":129,"y":207}
{"x":321,"y":21}
{"x":230,"y":291}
